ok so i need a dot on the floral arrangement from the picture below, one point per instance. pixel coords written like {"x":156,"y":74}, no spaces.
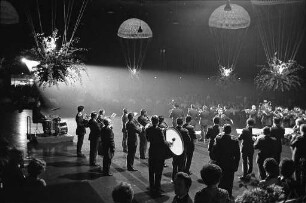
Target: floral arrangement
{"x":273,"y":193}
{"x":279,"y":75}
{"x":56,"y":63}
{"x":226,"y":77}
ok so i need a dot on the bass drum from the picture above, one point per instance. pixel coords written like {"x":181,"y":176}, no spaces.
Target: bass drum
{"x":62,"y":128}
{"x":176,"y":147}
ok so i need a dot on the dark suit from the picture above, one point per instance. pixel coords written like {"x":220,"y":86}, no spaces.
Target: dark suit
{"x":143,"y":145}
{"x":247,"y":150}
{"x":267,"y":149}
{"x":94,"y":136}
{"x":108,"y":147}
{"x":178,"y":162}
{"x":80,"y":131}
{"x":190,"y":148}
{"x":132,"y":133}
{"x":227,"y":156}
{"x":279,"y":133}
{"x":157,"y":152}
{"x":211,"y":134}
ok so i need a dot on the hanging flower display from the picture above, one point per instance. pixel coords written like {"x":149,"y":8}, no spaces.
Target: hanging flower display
{"x":226,"y":77}
{"x":55,"y":63}
{"x":279,"y":76}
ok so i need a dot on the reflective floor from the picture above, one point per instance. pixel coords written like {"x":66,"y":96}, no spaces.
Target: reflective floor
{"x":71,"y":179}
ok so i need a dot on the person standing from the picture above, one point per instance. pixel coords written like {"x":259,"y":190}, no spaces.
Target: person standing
{"x":227,"y":156}
{"x":278,"y":132}
{"x":175,"y":113}
{"x":182,"y":185}
{"x":124,"y":120}
{"x":299,"y":158}
{"x":265,"y":145}
{"x":204,"y":119}
{"x":190,"y":148}
{"x":80,"y":130}
{"x":212,"y":134}
{"x":179,"y":162}
{"x":132,"y":132}
{"x":143,"y":119}
{"x":108,"y":146}
{"x":94,"y":137}
{"x":194,"y":114}
{"x":157,"y":153}
{"x":247,"y":148}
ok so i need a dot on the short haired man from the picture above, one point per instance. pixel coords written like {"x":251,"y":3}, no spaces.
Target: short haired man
{"x":80,"y":130}
{"x":211,"y":134}
{"x":182,"y":184}
{"x":123,"y":193}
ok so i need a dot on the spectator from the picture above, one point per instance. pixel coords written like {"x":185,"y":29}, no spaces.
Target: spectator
{"x":272,"y":170}
{"x":211,"y":175}
{"x":182,"y":184}
{"x":278,"y":132}
{"x":266,"y":146}
{"x":123,"y":193}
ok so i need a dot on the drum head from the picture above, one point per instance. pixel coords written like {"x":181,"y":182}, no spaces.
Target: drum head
{"x":173,"y":136}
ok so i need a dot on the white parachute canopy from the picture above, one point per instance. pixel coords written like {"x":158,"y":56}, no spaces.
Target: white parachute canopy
{"x":281,"y":25}
{"x":228,"y":25}
{"x":8,"y":14}
{"x":135,"y":36}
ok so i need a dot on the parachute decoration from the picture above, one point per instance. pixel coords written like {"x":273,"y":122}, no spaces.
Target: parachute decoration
{"x":135,"y":36}
{"x":281,"y":25}
{"x":228,"y":25}
{"x":8,"y":14}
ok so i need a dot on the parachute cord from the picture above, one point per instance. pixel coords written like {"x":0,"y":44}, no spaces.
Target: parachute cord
{"x":145,"y":51}
{"x":39,"y":17}
{"x":64,"y":40}
{"x":140,"y":55}
{"x":134,"y":52}
{"x":128,"y":53}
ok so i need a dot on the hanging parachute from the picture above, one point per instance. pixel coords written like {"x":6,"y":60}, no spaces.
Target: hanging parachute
{"x":135,"y":36}
{"x":228,"y":25}
{"x":281,"y":25}
{"x":8,"y":14}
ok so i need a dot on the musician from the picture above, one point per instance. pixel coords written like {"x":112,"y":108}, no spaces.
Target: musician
{"x":266,"y":146}
{"x":194,"y":114}
{"x":227,"y":156}
{"x":252,"y":113}
{"x":37,"y":116}
{"x":190,"y":148}
{"x":161,"y":123}
{"x":204,"y":119}
{"x":94,"y":137}
{"x":178,"y":163}
{"x":299,"y":158}
{"x":124,"y":120}
{"x":224,"y":119}
{"x":132,"y":129}
{"x":101,"y":117}
{"x":267,"y":117}
{"x":81,"y":121}
{"x":143,"y":119}
{"x":176,"y":112}
{"x":247,"y":148}
{"x":212,"y":134}
{"x":157,"y":153}
{"x":108,"y":146}
{"x":278,"y":132}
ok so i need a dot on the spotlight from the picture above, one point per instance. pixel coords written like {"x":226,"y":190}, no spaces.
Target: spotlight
{"x":30,"y":64}
{"x":155,"y":77}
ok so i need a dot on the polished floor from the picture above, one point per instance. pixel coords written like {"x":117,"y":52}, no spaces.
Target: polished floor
{"x":71,"y":179}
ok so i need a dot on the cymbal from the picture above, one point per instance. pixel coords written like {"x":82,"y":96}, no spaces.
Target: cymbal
{"x":54,"y":109}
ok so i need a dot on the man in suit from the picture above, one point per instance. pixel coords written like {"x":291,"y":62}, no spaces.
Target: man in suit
{"x":143,"y":119}
{"x":247,"y":148}
{"x":176,"y":112}
{"x":266,"y":146}
{"x":132,"y":132}
{"x":108,"y":146}
{"x":227,"y":156}
{"x":94,"y":137}
{"x":190,"y":148}
{"x":211,"y":134}
{"x":179,"y":162}
{"x":278,"y":132}
{"x":157,"y":153}
{"x":80,"y":130}
{"x":124,"y":120}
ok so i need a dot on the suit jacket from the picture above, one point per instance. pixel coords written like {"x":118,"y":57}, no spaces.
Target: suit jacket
{"x":81,"y":127}
{"x":299,"y":150}
{"x":211,"y":134}
{"x":132,"y":131}
{"x":279,"y":133}
{"x":191,"y":132}
{"x":266,"y":146}
{"x":227,"y":152}
{"x":185,"y":136}
{"x":95,"y":130}
{"x":247,"y":144}
{"x":157,"y":141}
{"x":107,"y":139}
